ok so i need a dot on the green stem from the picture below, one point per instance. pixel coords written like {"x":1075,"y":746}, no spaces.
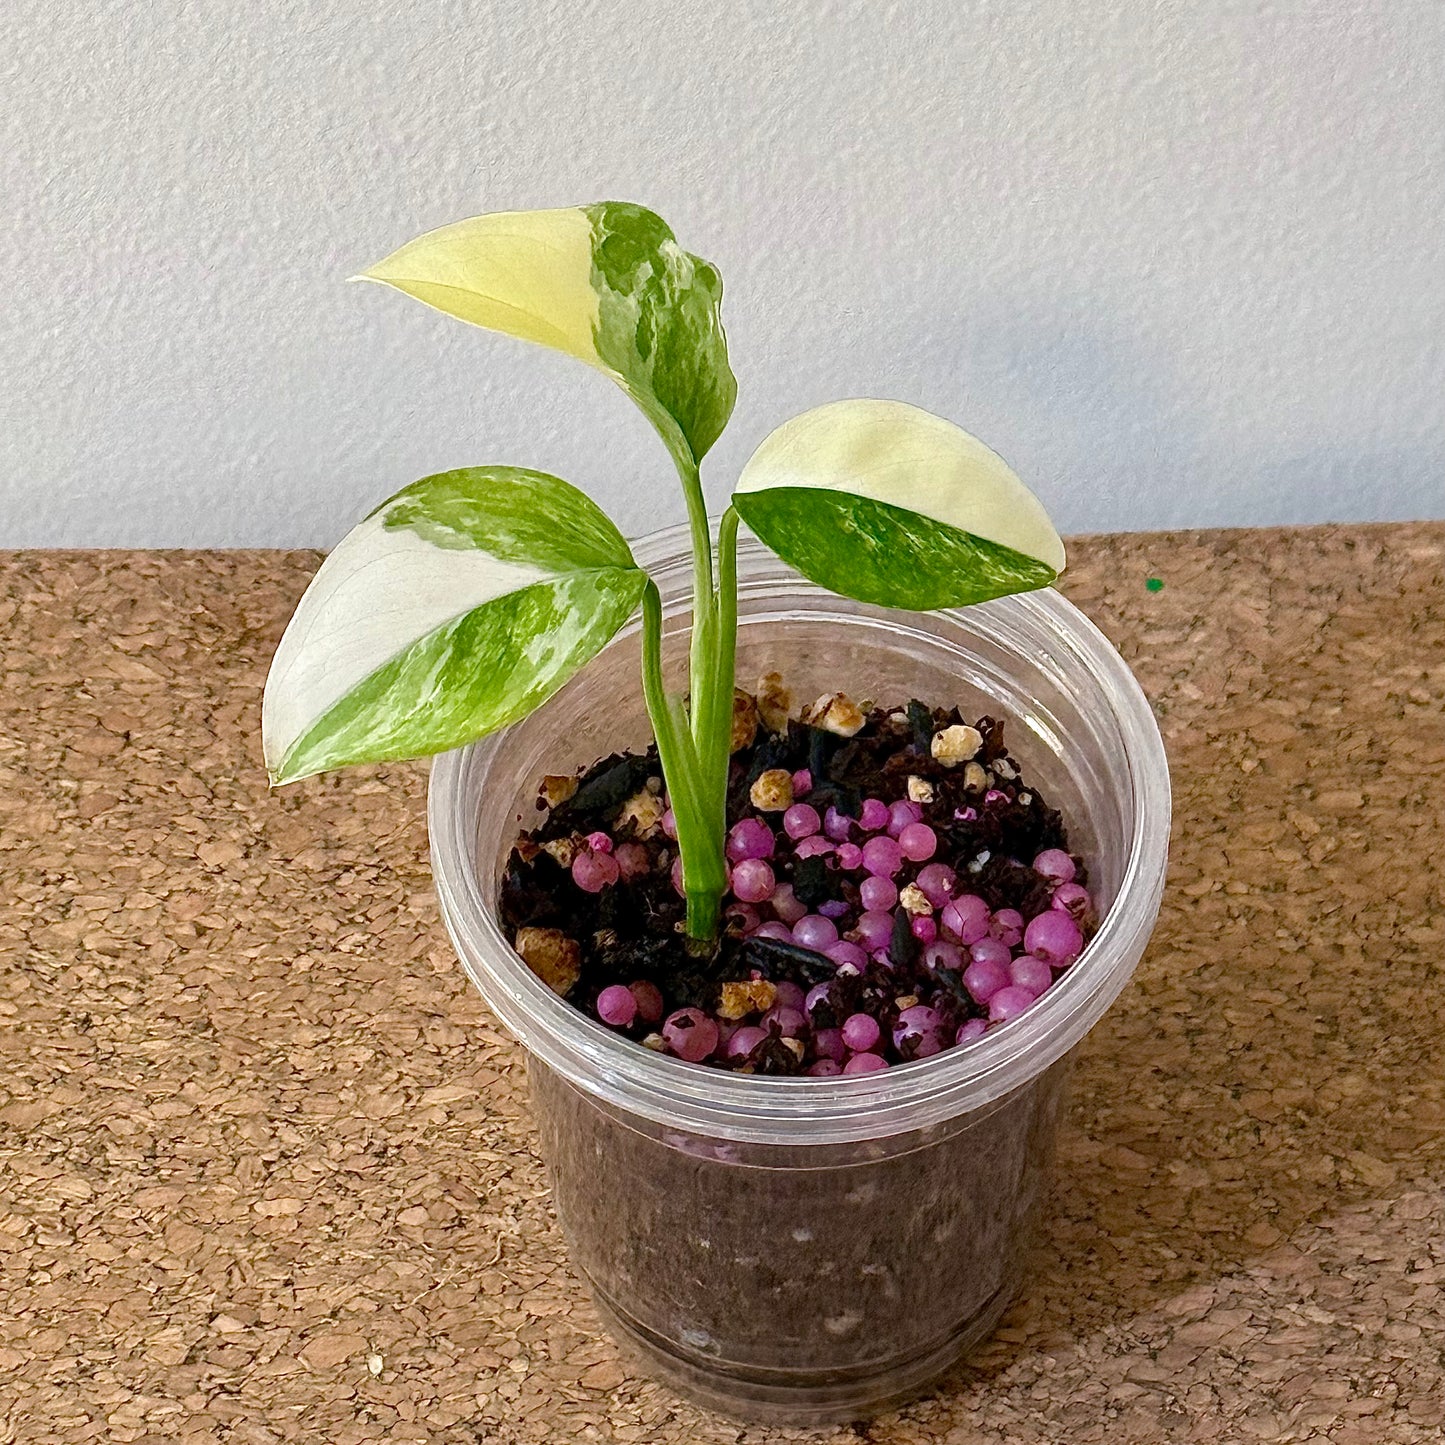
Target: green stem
{"x":699,"y":832}
{"x":703,"y":612}
{"x":718,"y":746}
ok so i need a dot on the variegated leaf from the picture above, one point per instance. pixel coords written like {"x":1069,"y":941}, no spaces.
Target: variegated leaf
{"x":890,"y":504}
{"x":455,"y":608}
{"x":606,"y":283}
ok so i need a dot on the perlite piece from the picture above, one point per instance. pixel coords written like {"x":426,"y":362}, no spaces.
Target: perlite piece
{"x":554,"y":957}
{"x":914,"y":901}
{"x":754,"y":995}
{"x":644,"y":812}
{"x":557,"y":789}
{"x":835,"y":712}
{"x":745,"y":720}
{"x":956,"y":744}
{"x":773,"y":791}
{"x":774,"y":702}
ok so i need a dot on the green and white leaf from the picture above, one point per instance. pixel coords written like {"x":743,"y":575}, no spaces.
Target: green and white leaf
{"x":606,"y":283}
{"x":457,"y":607}
{"x":890,"y":504}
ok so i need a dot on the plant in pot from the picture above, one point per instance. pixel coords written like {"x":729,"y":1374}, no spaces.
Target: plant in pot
{"x":799,"y":986}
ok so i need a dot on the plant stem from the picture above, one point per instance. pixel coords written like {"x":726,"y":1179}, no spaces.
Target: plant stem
{"x":718,"y":745}
{"x":699,"y":829}
{"x":704,"y":641}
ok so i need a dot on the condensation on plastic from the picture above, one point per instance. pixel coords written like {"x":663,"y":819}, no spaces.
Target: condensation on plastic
{"x":1077,"y":722}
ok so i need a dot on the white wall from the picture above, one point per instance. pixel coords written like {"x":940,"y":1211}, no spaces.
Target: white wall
{"x":1181,"y":264}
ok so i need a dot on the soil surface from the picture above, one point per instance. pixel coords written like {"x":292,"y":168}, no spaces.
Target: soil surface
{"x":989,"y":823}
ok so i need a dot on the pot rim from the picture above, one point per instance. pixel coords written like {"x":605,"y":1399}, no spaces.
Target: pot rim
{"x":763,"y":1109}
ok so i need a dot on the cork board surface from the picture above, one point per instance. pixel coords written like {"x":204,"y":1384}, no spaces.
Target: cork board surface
{"x":266,"y":1168}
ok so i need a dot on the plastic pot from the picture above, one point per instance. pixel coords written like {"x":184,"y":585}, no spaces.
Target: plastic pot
{"x":812,"y":1250}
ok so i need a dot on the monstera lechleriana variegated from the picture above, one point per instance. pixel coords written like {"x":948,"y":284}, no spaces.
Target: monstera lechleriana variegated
{"x":468,"y":598}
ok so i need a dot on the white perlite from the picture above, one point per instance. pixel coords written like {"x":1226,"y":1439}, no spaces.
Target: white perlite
{"x":956,"y":744}
{"x":644,"y":811}
{"x":915,"y":901}
{"x":836,"y":713}
{"x":774,"y":702}
{"x":920,"y":790}
{"x":772,"y":792}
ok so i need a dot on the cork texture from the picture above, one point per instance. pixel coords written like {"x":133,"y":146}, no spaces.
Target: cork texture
{"x":266,"y":1168}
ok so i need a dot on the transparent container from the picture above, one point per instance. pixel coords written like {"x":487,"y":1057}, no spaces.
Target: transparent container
{"x":798,"y":1249}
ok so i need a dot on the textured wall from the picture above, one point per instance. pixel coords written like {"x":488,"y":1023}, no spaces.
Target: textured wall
{"x":1181,"y":264}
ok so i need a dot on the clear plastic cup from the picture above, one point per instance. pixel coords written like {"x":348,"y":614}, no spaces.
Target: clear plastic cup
{"x":799,"y":1249}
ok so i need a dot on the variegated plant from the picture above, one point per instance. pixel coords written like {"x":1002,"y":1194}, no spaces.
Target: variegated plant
{"x":468,"y":598}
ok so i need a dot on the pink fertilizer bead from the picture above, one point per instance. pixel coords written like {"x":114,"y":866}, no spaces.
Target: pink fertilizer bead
{"x":873,"y":815}
{"x":983,"y":980}
{"x":1030,"y":973}
{"x":918,"y":842}
{"x":815,"y":932}
{"x":828,"y":1044}
{"x":801,"y":821}
{"x":669,"y":824}
{"x":616,"y":1006}
{"x":819,"y":994}
{"x":966,"y":918}
{"x":942,"y":954}
{"x":791,"y":1023}
{"x":776,"y":929}
{"x":649,"y":1000}
{"x":746,"y":915}
{"x":592,"y":872}
{"x":632,"y":860}
{"x":813,"y":847}
{"x":878,"y":894}
{"x":743,"y":1041}
{"x":837,"y":825}
{"x":1054,"y":937}
{"x":750,"y":838}
{"x":925,"y":928}
{"x":824,"y":1068}
{"x":850,"y":857}
{"x":922,"y":1024}
{"x":901,"y":815}
{"x":995,"y":795}
{"x":990,"y":950}
{"x":861,"y":1032}
{"x":968,"y":1032}
{"x":1008,"y":1003}
{"x":752,"y":881}
{"x":802,"y":783}
{"x":847,"y":955}
{"x":865,"y":1064}
{"x":874,"y":929}
{"x":882,"y":856}
{"x":786,"y":905}
{"x":690,"y":1034}
{"x":1073,"y":899}
{"x":937,"y":881}
{"x":789,"y":994}
{"x":677,"y":883}
{"x":600,"y":842}
{"x":1055,"y":865}
{"x":1007,"y":925}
